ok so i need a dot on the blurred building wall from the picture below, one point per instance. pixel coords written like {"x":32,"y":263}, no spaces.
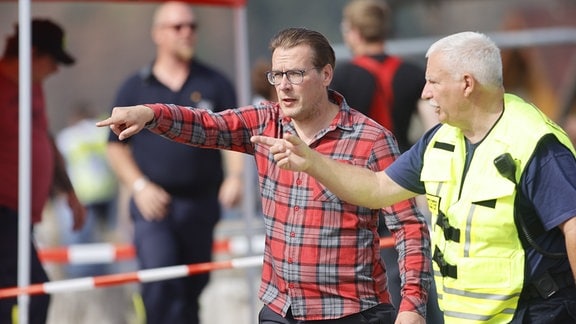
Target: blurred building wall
{"x":111,"y":40}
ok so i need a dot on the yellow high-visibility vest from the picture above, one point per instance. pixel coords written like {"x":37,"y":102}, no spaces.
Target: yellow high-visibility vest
{"x":478,"y":257}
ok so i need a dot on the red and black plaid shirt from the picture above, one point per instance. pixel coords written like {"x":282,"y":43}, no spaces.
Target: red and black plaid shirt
{"x":322,"y":254}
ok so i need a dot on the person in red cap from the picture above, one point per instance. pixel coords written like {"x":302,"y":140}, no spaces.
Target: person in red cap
{"x":48,"y":170}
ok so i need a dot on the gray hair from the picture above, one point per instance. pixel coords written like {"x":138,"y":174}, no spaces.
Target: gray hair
{"x":473,"y":53}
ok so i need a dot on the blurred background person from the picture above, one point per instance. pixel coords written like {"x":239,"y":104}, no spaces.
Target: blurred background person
{"x":177,"y":190}
{"x":48,"y":174}
{"x":386,"y":88}
{"x":83,"y":147}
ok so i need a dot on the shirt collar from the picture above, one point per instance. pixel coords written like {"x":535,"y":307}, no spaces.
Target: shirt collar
{"x":344,"y":118}
{"x":147,"y":75}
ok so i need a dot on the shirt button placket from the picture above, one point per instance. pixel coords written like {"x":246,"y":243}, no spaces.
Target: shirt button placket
{"x":290,"y":256}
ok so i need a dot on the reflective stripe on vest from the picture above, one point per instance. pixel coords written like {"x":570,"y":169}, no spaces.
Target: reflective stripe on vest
{"x":479,"y":259}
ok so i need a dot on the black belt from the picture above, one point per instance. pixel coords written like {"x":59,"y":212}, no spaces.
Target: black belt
{"x":548,"y":284}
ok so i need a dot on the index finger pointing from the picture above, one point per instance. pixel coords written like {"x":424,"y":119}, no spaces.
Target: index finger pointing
{"x":264,"y":140}
{"x":105,"y":122}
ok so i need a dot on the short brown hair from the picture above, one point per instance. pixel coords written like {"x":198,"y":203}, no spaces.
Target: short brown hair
{"x":370,"y":17}
{"x":292,"y":37}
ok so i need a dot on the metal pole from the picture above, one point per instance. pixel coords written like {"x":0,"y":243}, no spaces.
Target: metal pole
{"x":243,"y":90}
{"x":24,"y":155}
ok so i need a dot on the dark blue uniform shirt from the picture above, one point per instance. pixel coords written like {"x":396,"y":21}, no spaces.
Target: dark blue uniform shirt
{"x":184,"y":170}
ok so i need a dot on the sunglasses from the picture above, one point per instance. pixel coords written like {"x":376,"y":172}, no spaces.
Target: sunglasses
{"x":178,"y":27}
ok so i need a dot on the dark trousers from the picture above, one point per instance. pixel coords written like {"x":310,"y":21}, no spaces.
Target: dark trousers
{"x":380,"y":314}
{"x":185,"y":236}
{"x":560,"y":308}
{"x":38,"y":306}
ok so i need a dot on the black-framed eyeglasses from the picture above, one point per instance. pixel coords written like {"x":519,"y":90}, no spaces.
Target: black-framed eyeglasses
{"x":293,"y":76}
{"x":178,"y":27}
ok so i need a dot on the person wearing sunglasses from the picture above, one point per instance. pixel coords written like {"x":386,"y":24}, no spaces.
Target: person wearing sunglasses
{"x":177,"y":191}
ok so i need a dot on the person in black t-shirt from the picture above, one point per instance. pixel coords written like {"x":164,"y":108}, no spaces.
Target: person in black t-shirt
{"x":382,"y":86}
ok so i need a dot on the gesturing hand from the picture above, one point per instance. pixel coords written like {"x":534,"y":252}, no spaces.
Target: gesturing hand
{"x":152,"y":201}
{"x":289,"y":152}
{"x":127,"y":121}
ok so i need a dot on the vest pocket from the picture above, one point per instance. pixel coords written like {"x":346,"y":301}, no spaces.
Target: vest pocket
{"x":431,"y":172}
{"x":484,"y":273}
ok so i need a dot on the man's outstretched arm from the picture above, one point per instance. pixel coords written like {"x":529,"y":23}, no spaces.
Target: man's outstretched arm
{"x":354,"y":184}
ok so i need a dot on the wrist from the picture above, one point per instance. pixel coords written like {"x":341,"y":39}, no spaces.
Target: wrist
{"x":139,"y":184}
{"x":235,"y":175}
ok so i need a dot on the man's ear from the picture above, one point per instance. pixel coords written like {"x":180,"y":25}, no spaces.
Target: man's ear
{"x":327,"y":73}
{"x":468,"y":83}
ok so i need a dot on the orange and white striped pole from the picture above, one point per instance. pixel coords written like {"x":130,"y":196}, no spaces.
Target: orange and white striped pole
{"x":147,"y":275}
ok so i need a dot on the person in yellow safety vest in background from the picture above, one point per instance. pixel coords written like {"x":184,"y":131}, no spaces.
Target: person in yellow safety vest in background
{"x":83,"y":147}
{"x":500,"y":180}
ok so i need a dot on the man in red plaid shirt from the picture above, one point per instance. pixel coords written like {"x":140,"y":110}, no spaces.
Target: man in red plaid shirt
{"x":322,"y":261}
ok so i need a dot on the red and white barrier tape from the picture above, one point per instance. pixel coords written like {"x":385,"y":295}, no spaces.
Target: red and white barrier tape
{"x":106,"y":251}
{"x":87,"y":253}
{"x":110,"y":253}
{"x":147,"y":275}
{"x":238,"y":245}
